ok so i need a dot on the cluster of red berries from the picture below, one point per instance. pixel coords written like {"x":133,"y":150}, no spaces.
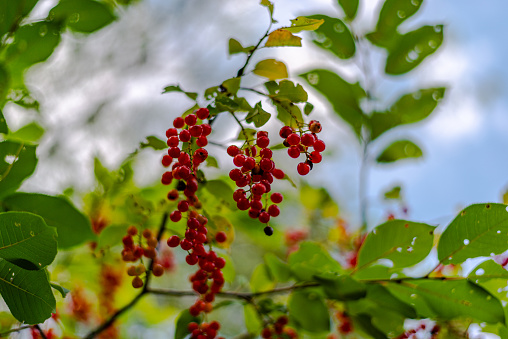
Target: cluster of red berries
{"x":204,"y":330}
{"x":299,"y":142}
{"x":132,"y":253}
{"x":255,"y":174}
{"x":412,"y":333}
{"x":279,"y":330}
{"x":345,"y":323}
{"x":208,"y":279}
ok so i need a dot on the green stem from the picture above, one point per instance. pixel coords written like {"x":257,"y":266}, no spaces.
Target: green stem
{"x":241,"y":71}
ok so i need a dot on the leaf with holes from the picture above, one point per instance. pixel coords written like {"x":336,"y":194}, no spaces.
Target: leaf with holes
{"x":408,"y":109}
{"x":17,"y":162}
{"x":26,"y":240}
{"x":400,"y":149}
{"x":479,"y":230}
{"x":13,"y":12}
{"x":334,"y":36}
{"x":344,"y":96}
{"x":282,"y":37}
{"x":73,"y":227}
{"x":271,"y":69}
{"x":84,"y":16}
{"x":403,"y":242}
{"x":304,"y":24}
{"x":449,"y":299}
{"x":412,"y":48}
{"x":27,"y":293}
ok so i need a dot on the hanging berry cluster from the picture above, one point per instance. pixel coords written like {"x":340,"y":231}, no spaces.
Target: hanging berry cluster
{"x":256,"y":172}
{"x":146,"y":246}
{"x":279,"y":330}
{"x":298,"y":142}
{"x":208,"y":279}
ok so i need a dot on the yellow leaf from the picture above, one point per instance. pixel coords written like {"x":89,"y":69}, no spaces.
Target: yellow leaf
{"x":271,"y":69}
{"x":304,"y":24}
{"x":282,"y":37}
{"x":218,"y":223}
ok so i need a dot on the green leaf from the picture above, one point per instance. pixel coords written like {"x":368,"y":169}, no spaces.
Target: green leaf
{"x":344,"y":96}
{"x":252,"y":321}
{"x":488,"y":270}
{"x":387,"y":301}
{"x":258,"y":116}
{"x":17,"y":162}
{"x":449,"y":299}
{"x":182,"y":324}
{"x":30,"y":133}
{"x":27,"y":293}
{"x":84,"y":16}
{"x":72,"y":226}
{"x":288,"y":90}
{"x":341,"y":287}
{"x":392,"y":14}
{"x":13,"y":12}
{"x":278,"y":269}
{"x":363,"y":322}
{"x":393,"y":193}
{"x":282,"y":37}
{"x":302,"y":23}
{"x":111,"y":235}
{"x":308,"y":108}
{"x":153,"y":142}
{"x":220,"y":190}
{"x":403,"y":242}
{"x":4,"y":86}
{"x":308,"y":310}
{"x":311,"y":259}
{"x":3,"y":123}
{"x":409,"y":108}
{"x":236,"y":47}
{"x":350,"y":7}
{"x":231,"y":86}
{"x":26,"y":240}
{"x":177,"y":88}
{"x":268,"y":4}
{"x":212,"y":162}
{"x":479,"y":230}
{"x":412,"y":48}
{"x":247,"y":134}
{"x":334,"y":36}
{"x":271,"y":69}
{"x":400,"y":149}
{"x":261,"y":280}
{"x":63,"y":291}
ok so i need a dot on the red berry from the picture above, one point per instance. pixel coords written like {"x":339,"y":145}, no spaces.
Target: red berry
{"x":262,"y":142}
{"x":184,"y":158}
{"x":315,"y":126}
{"x":264,"y":217}
{"x":274,"y":210}
{"x":249,"y":164}
{"x":173,"y":141}
{"x":167,"y":177}
{"x":220,"y":263}
{"x":202,"y":113}
{"x":178,"y":122}
{"x":243,"y":204}
{"x":220,"y":237}
{"x":206,"y":129}
{"x":191,"y":259}
{"x":191,"y":119}
{"x":175,"y":216}
{"x":285,"y":132}
{"x":174,"y":152}
{"x":173,"y":194}
{"x":303,"y":168}
{"x":195,"y":130}
{"x":266,"y":164}
{"x":276,"y":198}
{"x":319,"y":146}
{"x":315,"y":157}
{"x":202,"y":141}
{"x":239,"y":160}
{"x":258,"y":189}
{"x":293,"y":139}
{"x":266,"y":153}
{"x":294,"y":152}
{"x":307,"y":139}
{"x":166,"y":161}
{"x":278,"y":173}
{"x":238,"y":194}
{"x":183,"y":206}
{"x":235,"y":174}
{"x":171,"y":132}
{"x":174,"y":241}
{"x":254,"y":213}
{"x":200,"y":154}
{"x":256,"y":205}
{"x":233,"y":150}
{"x":185,"y":135}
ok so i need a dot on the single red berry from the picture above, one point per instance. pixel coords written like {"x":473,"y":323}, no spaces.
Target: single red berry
{"x":178,"y":122}
{"x":185,"y":135}
{"x":264,"y":217}
{"x":274,"y":210}
{"x":191,"y":259}
{"x":206,"y":129}
{"x":307,"y":139}
{"x":258,"y":189}
{"x":262,"y":142}
{"x":220,"y":263}
{"x":173,"y":194}
{"x":303,"y":168}
{"x":239,"y":160}
{"x":220,"y":237}
{"x":243,"y":204}
{"x":238,"y":194}
{"x":166,"y":161}
{"x":184,"y":158}
{"x":243,"y":181}
{"x":294,"y":152}
{"x":256,"y":205}
{"x":276,"y":198}
{"x":315,"y":157}
{"x":174,"y":152}
{"x":171,"y":132}
{"x":167,"y":178}
{"x":285,"y":131}
{"x":183,"y":206}
{"x":200,"y":154}
{"x":191,"y":119}
{"x":193,"y":326}
{"x":202,"y":141}
{"x":319,"y":146}
{"x":195,"y":130}
{"x":293,"y":139}
{"x":278,"y":173}
{"x":173,"y":241}
{"x":202,"y":113}
{"x":249,"y":164}
{"x":175,"y":216}
{"x":233,"y":150}
{"x":215,"y":325}
{"x":315,"y":126}
{"x":266,"y":153}
{"x":254,"y":213}
{"x":173,"y":141}
{"x":266,"y":164}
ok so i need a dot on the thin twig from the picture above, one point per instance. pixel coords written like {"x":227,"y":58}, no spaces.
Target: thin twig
{"x":6,"y":333}
{"x":41,"y":332}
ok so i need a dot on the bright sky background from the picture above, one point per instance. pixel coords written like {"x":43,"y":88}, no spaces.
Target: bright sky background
{"x":101,"y":96}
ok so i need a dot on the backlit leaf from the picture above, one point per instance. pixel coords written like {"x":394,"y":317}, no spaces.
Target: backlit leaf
{"x":72,"y":226}
{"x":393,"y":193}
{"x":400,"y":149}
{"x":26,"y":240}
{"x":177,"y":88}
{"x":334,"y":35}
{"x":4,"y":86}
{"x":302,"y":23}
{"x":17,"y":162}
{"x":290,"y":91}
{"x":282,"y":37}
{"x":308,"y":310}
{"x":261,"y":279}
{"x":271,"y":69}
{"x":412,"y":48}
{"x":311,"y":259}
{"x":63,"y":291}
{"x":85,"y":16}
{"x":279,"y":270}
{"x":235,"y":47}
{"x":350,"y":7}
{"x":252,"y":321}
{"x":182,"y":324}
{"x":479,"y":230}
{"x":341,"y":287}
{"x":30,"y":133}
{"x":154,"y":142}
{"x":403,"y":242}
{"x":258,"y":116}
{"x":231,"y":86}
{"x":13,"y":12}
